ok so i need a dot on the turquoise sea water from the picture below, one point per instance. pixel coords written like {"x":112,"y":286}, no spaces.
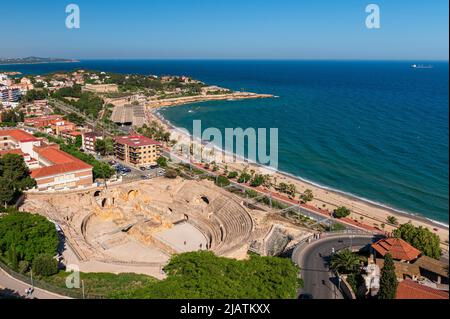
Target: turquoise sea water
{"x":377,"y":130}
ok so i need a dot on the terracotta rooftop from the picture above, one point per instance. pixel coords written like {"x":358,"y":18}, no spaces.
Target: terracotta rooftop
{"x":433,"y":265}
{"x":136,"y":140}
{"x":73,"y":133}
{"x":398,"y":248}
{"x":62,"y":161}
{"x":409,"y":289}
{"x":12,"y":151}
{"x":19,"y":135}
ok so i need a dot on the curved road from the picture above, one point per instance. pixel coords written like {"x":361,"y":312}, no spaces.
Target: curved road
{"x":7,"y":281}
{"x":313,"y":260}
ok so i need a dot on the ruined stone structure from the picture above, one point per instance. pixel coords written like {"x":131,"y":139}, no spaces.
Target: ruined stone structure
{"x":148,"y":221}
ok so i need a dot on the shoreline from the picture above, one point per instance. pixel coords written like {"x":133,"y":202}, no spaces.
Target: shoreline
{"x":360,"y":206}
{"x":178,"y":101}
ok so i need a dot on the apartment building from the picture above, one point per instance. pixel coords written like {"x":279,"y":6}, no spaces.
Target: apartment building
{"x":137,"y":150}
{"x":50,"y":166}
{"x":88,"y":141}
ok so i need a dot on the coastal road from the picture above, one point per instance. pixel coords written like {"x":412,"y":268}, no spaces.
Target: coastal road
{"x":9,"y":282}
{"x":313,"y":261}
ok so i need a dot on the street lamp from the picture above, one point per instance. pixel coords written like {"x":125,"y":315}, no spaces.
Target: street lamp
{"x":32,"y":283}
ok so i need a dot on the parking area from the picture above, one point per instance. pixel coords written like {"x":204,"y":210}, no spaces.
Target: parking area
{"x":131,"y":172}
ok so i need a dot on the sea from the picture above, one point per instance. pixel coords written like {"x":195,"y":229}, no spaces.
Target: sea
{"x":376,"y":130}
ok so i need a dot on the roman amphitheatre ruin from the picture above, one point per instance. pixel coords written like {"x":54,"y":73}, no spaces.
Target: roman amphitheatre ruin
{"x":145,"y":222}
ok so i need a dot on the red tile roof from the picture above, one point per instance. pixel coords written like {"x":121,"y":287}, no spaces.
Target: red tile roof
{"x":409,"y":289}
{"x":13,"y":151}
{"x":19,"y":135}
{"x":398,"y":248}
{"x":136,"y":140}
{"x":73,"y":133}
{"x":58,"y":169}
{"x":63,"y":163}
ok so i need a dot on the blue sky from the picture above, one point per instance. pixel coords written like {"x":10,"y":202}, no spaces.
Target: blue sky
{"x":248,"y":29}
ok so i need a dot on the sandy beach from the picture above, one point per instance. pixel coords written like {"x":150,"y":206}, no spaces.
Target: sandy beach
{"x":363,"y":211}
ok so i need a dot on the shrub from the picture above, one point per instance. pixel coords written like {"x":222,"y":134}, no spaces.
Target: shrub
{"x":307,"y":196}
{"x":202,"y":275}
{"x":45,"y":265}
{"x":162,"y":161}
{"x":257,"y":180}
{"x":244,"y":178}
{"x":232,"y":175}
{"x":341,"y":212}
{"x":392,"y":220}
{"x":171,"y":173}
{"x":222,"y":181}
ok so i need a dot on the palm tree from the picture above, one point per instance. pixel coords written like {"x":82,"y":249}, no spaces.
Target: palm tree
{"x":345,"y":262}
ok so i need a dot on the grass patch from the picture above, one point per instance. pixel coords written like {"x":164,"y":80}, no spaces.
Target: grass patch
{"x":103,"y":285}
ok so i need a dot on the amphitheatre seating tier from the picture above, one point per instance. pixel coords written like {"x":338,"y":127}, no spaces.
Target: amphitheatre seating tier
{"x":237,"y":225}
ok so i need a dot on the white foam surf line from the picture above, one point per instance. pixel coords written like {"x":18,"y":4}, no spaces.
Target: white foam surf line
{"x":347,"y":194}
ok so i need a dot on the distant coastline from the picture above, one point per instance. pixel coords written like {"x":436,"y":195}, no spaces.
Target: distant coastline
{"x":35,"y":60}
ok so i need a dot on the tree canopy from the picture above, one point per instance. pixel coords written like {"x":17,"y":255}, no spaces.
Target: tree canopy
{"x":388,"y":279}
{"x":421,"y":238}
{"x":14,"y":177}
{"x":24,"y":236}
{"x":104,"y":146}
{"x":203,"y":275}
{"x":341,"y":212}
{"x":345,"y":262}
{"x":307,"y":196}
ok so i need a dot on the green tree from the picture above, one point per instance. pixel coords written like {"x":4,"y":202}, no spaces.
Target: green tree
{"x":392,"y":220}
{"x":341,"y":212}
{"x":29,"y":234}
{"x":307,"y":196}
{"x":44,"y":265}
{"x":345,"y":262}
{"x":388,"y":279}
{"x":162,"y":161}
{"x":257,"y":180}
{"x":232,"y":175}
{"x":109,"y":146}
{"x":78,"y":141}
{"x":283,"y":187}
{"x":100,"y":146}
{"x":421,"y":238}
{"x":7,"y":192}
{"x":32,"y":95}
{"x":14,"y":177}
{"x":222,"y":181}
{"x":244,"y":177}
{"x":291,"y":189}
